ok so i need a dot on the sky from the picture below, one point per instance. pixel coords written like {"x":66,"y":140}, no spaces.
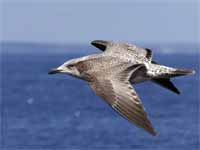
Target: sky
{"x":79,"y":21}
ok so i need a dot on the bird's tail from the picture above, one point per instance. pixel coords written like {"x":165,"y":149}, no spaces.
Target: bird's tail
{"x":161,"y":75}
{"x":182,"y":72}
{"x":172,"y":72}
{"x":160,"y":71}
{"x":164,"y":79}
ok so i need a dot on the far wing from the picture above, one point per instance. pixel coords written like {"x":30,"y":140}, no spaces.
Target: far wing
{"x":119,"y":94}
{"x":122,"y":48}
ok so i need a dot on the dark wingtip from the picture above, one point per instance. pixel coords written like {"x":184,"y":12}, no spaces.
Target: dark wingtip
{"x":177,"y":92}
{"x":166,"y":83}
{"x":174,"y":89}
{"x":100,"y":44}
{"x":154,"y":133}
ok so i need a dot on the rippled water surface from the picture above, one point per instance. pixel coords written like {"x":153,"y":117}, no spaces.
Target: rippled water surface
{"x":43,"y":111}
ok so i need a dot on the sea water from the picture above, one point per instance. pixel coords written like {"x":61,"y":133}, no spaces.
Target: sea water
{"x":61,"y":112}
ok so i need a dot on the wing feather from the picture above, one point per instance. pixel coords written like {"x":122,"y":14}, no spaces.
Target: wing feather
{"x":120,"y":95}
{"x":122,"y":48}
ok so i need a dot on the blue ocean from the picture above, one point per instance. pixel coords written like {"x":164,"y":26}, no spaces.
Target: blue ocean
{"x":41,"y":111}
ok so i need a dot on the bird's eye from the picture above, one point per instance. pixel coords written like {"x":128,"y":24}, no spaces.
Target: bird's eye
{"x":70,"y":66}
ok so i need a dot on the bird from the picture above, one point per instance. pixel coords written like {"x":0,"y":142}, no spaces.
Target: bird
{"x":112,"y":74}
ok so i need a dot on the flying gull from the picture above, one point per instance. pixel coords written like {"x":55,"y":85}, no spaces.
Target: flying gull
{"x":111,"y":74}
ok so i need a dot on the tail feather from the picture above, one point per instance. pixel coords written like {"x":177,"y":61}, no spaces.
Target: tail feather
{"x":182,"y":72}
{"x":160,"y":71}
{"x":167,"y":72}
{"x":162,"y":77}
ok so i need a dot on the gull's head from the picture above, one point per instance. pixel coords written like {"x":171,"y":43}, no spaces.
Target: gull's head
{"x":69,"y":67}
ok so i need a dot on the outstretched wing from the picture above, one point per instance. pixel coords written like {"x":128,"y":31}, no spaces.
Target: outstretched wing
{"x":122,"y":48}
{"x":120,"y":95}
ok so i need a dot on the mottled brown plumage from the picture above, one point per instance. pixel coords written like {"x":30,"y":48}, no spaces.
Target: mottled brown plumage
{"x":111,"y":73}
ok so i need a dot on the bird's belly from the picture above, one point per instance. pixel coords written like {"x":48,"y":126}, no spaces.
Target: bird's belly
{"x":139,"y":79}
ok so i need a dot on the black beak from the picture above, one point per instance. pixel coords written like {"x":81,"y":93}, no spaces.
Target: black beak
{"x":54,"y":71}
{"x":100,"y":44}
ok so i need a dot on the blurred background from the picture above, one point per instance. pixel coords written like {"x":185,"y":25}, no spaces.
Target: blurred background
{"x":42,"y":111}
